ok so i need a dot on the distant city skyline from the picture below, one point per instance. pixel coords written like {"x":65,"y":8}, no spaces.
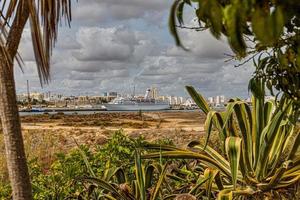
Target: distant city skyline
{"x":113,"y":45}
{"x":157,"y":93}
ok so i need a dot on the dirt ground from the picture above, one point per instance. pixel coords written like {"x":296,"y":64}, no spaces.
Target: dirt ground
{"x":181,"y":127}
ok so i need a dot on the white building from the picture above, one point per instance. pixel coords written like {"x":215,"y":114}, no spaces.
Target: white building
{"x":189,"y":103}
{"x":210,"y":100}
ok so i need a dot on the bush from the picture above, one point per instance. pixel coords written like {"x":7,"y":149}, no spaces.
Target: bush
{"x":61,"y":179}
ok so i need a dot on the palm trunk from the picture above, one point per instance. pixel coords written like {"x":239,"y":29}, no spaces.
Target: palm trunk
{"x":14,"y":147}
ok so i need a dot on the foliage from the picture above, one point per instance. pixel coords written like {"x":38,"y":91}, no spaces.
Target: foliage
{"x":44,"y":18}
{"x":152,"y":180}
{"x":259,"y":147}
{"x":266,"y":29}
{"x":59,"y":180}
{"x":115,"y":183}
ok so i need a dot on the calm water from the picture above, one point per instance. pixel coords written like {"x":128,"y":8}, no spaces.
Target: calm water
{"x":94,"y":112}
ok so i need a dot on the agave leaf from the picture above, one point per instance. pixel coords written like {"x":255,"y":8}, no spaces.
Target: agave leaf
{"x":106,"y":186}
{"x":149,"y":176}
{"x":170,"y":197}
{"x":140,"y":175}
{"x":268,"y":109}
{"x":120,"y":174}
{"x":218,"y":181}
{"x":225,"y":194}
{"x":243,"y":115}
{"x":257,"y":89}
{"x":106,"y":196}
{"x":212,"y":153}
{"x":267,"y":139}
{"x":233,"y":150}
{"x":284,"y":184}
{"x":283,"y":140}
{"x":199,"y":100}
{"x":135,"y":188}
{"x":209,"y":174}
{"x":85,"y":159}
{"x":214,"y":118}
{"x":176,"y":178}
{"x":160,"y":147}
{"x":229,"y":111}
{"x":159,"y":183}
{"x":228,"y":194}
{"x":114,"y":171}
{"x":276,"y":177}
{"x":295,"y":146}
{"x":295,"y":168}
{"x":200,"y":182}
{"x":189,"y":155}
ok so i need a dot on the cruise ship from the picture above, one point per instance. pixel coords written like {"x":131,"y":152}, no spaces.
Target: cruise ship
{"x":135,"y":104}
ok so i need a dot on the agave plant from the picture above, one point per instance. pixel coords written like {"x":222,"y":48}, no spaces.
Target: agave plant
{"x":259,"y":146}
{"x":146,"y":183}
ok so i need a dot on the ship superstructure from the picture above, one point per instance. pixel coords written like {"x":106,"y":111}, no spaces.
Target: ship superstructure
{"x":132,"y":104}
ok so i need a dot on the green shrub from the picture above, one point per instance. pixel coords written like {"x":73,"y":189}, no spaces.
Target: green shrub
{"x":60,"y":180}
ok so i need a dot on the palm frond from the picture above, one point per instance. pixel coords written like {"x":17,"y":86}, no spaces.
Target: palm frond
{"x":44,"y":16}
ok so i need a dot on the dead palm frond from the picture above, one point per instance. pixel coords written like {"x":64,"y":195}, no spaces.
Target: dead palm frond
{"x":45,"y":16}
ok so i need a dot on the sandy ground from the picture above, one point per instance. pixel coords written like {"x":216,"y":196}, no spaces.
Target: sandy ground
{"x":181,"y":127}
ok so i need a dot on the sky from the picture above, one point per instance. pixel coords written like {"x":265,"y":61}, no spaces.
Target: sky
{"x":114,"y":45}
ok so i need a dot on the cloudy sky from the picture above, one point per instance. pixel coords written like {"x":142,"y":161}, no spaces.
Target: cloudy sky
{"x":116,"y":44}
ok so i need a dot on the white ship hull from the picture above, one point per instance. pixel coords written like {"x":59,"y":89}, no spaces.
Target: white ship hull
{"x":136,"y":107}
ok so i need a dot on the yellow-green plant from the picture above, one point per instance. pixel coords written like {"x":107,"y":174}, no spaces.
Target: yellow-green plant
{"x":259,"y":144}
{"x":116,"y":185}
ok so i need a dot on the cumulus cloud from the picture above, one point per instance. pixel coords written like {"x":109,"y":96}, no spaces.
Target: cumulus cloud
{"x":95,"y":11}
{"x":105,"y":44}
{"x":91,"y":59}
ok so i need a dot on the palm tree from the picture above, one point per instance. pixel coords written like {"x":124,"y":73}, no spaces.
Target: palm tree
{"x":44,"y":17}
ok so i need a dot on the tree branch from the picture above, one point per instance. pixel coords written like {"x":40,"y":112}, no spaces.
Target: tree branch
{"x":200,"y":28}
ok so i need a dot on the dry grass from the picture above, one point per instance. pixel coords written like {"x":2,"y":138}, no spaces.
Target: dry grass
{"x":46,"y":135}
{"x":38,"y":144}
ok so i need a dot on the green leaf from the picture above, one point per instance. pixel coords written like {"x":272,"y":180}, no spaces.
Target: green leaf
{"x":159,"y":183}
{"x":234,"y":26}
{"x":185,"y":154}
{"x":209,"y":174}
{"x":139,"y":173}
{"x":215,"y":16}
{"x":149,"y":176}
{"x":199,"y":100}
{"x":260,"y":26}
{"x":199,"y":183}
{"x":225,"y":194}
{"x":105,"y":185}
{"x":172,"y":23}
{"x":233,"y":151}
{"x":179,"y":13}
{"x":85,"y":159}
{"x":278,"y":23}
